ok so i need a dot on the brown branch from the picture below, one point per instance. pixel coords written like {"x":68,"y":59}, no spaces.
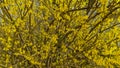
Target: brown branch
{"x":103,"y":19}
{"x":110,"y":27}
{"x":6,"y":12}
{"x":72,"y":10}
{"x":25,"y":13}
{"x":92,"y":17}
{"x":19,"y":10}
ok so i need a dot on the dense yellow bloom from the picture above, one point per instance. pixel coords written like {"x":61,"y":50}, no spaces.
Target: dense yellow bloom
{"x":60,"y":33}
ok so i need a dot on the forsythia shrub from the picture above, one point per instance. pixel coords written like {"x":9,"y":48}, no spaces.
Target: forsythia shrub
{"x":59,"y":33}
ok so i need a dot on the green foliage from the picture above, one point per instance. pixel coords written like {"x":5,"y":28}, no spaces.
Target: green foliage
{"x":60,"y":33}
